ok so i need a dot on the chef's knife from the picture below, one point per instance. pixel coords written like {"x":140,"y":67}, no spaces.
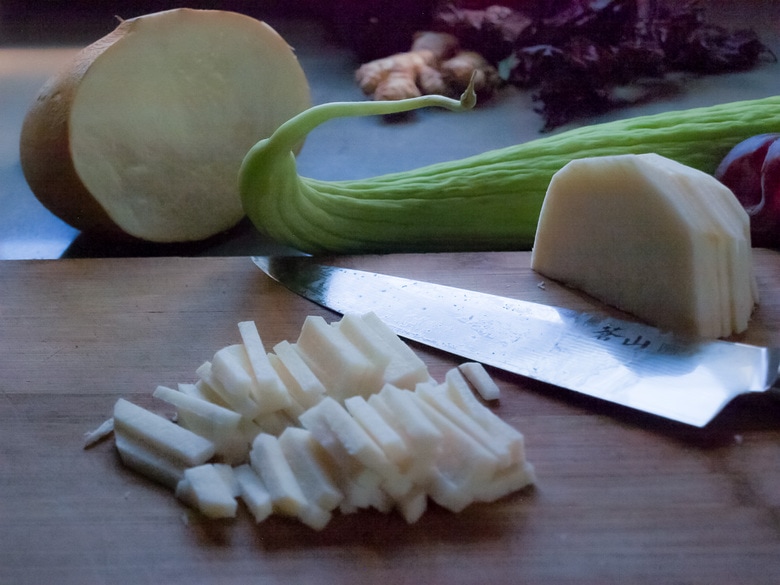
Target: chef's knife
{"x":620,"y":361}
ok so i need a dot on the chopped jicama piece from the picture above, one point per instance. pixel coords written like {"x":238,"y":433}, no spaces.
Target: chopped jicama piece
{"x":314,"y":517}
{"x":140,"y":457}
{"x":101,"y":432}
{"x":307,"y":459}
{"x":379,"y":429}
{"x":229,"y":366}
{"x":161,"y":434}
{"x":420,"y":436}
{"x":437,"y":398}
{"x":236,"y":398}
{"x":483,"y":383}
{"x":341,"y":366}
{"x":253,"y":492}
{"x":460,"y":393}
{"x":228,"y":474}
{"x":506,"y":481}
{"x":301,"y":382}
{"x":273,"y":423}
{"x":204,"y":487}
{"x":295,"y":407}
{"x":410,"y":419}
{"x":203,"y":391}
{"x":365,"y":338}
{"x":332,"y":418}
{"x":462,"y":464}
{"x":405,"y":369}
{"x":413,"y":505}
{"x":267,"y":459}
{"x":271,"y":392}
{"x":200,"y":416}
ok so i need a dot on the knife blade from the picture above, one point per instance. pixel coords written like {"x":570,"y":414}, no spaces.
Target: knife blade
{"x":620,"y":361}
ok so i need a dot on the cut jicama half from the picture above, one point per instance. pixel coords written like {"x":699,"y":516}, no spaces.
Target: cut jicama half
{"x":144,"y":131}
{"x":665,"y":242}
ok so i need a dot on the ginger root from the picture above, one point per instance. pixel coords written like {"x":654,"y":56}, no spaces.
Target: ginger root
{"x":434,"y":64}
{"x":457,"y":71}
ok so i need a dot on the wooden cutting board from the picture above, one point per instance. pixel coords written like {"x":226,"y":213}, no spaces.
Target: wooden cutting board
{"x":620,"y":498}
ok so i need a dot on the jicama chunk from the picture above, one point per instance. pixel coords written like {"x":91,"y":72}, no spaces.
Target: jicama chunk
{"x":253,"y":492}
{"x":101,"y":432}
{"x":379,"y":429}
{"x":331,"y":417}
{"x":204,"y":487}
{"x":271,"y":393}
{"x":307,"y":461}
{"x":459,"y":392}
{"x":228,"y":475}
{"x":413,"y":505}
{"x":273,"y":423}
{"x":267,"y":459}
{"x":140,"y":457}
{"x":652,"y":237}
{"x":485,"y":386}
{"x":204,"y":418}
{"x":463,"y":465}
{"x":409,"y":419}
{"x":363,"y":336}
{"x":341,"y":367}
{"x":506,"y":481}
{"x":203,"y":391}
{"x":436,"y":397}
{"x":314,"y":517}
{"x":301,"y":382}
{"x":235,"y":397}
{"x":358,"y":484}
{"x":405,"y":369}
{"x":160,"y":434}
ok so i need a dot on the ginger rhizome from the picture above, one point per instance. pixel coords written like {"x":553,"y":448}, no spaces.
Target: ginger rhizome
{"x":435,"y":64}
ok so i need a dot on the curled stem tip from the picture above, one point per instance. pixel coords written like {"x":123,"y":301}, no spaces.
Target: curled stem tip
{"x":295,"y":130}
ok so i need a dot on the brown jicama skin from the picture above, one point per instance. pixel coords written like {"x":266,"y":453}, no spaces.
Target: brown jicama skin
{"x":143,"y":133}
{"x":434,"y":65}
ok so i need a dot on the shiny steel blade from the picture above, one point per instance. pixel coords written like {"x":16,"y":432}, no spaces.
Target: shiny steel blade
{"x":620,"y":361}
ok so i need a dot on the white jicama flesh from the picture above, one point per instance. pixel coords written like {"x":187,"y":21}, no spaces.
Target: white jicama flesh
{"x":200,"y":416}
{"x":322,"y":446}
{"x":483,"y":383}
{"x":253,"y":492}
{"x":138,"y":456}
{"x":650,"y":236}
{"x":267,"y":459}
{"x":336,"y":360}
{"x":144,"y":133}
{"x":303,"y":385}
{"x":206,"y":488}
{"x":308,"y":461}
{"x":161,"y":434}
{"x":271,"y":393}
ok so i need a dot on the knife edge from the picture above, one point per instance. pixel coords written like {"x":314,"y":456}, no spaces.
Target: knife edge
{"x":620,"y":361}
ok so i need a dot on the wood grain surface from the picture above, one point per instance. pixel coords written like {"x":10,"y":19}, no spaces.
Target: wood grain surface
{"x":620,"y":498}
